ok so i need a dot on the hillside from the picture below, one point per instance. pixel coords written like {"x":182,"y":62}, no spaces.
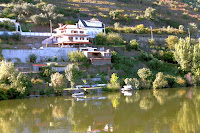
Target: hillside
{"x":167,"y":12}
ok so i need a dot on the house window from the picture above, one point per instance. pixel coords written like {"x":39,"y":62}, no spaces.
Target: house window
{"x":81,"y":38}
{"x":81,"y":32}
{"x":75,"y":31}
{"x":62,"y":31}
{"x":70,"y":38}
{"x":72,"y":31}
{"x":76,"y":38}
{"x":87,"y":38}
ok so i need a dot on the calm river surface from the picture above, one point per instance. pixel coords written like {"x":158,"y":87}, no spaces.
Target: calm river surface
{"x":146,"y":111}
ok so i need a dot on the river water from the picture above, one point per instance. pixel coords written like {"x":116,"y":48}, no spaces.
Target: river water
{"x":146,"y":111}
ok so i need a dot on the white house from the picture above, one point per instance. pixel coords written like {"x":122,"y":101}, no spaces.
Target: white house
{"x":70,"y":35}
{"x":78,"y":34}
{"x":92,"y":26}
{"x":17,"y":24}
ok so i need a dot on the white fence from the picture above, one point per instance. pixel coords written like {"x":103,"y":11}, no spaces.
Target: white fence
{"x":27,"y":33}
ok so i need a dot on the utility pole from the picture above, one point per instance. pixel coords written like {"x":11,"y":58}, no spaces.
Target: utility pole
{"x":151,"y":32}
{"x":50,"y":27}
{"x":188,"y":32}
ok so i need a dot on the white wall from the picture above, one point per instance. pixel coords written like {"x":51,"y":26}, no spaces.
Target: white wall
{"x":92,"y":32}
{"x":42,"y":54}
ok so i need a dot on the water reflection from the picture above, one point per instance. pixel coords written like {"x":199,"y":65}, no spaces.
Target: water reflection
{"x":173,"y":110}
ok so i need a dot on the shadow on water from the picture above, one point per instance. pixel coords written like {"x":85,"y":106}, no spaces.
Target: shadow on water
{"x":166,"y":110}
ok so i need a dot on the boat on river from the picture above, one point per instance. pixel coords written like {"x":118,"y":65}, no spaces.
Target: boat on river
{"x":79,"y":94}
{"x":126,"y":88}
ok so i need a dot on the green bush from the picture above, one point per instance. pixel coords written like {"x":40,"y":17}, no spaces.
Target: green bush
{"x":40,"y":19}
{"x":193,"y":28}
{"x":185,"y":15}
{"x":76,"y":11}
{"x":160,"y":81}
{"x":139,"y":18}
{"x":155,"y":64}
{"x":37,"y":81}
{"x":13,"y":84}
{"x":114,"y":39}
{"x":109,"y":39}
{"x":116,"y":14}
{"x":145,"y":74}
{"x":134,"y":44}
{"x":140,"y":29}
{"x":150,"y":13}
{"x":5,"y":36}
{"x":83,"y":15}
{"x":152,"y":42}
{"x":171,"y":41}
{"x":145,"y":57}
{"x":16,"y":36}
{"x":58,"y":80}
{"x":168,"y":56}
{"x":100,"y":39}
{"x":74,"y":15}
{"x":114,"y":83}
{"x":77,"y":56}
{"x":8,"y":25}
{"x":32,"y":58}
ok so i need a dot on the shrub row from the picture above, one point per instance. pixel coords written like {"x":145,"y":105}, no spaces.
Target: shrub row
{"x":140,"y":29}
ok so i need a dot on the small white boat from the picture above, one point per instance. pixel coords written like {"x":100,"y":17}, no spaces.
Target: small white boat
{"x":80,"y":94}
{"x":127,"y":88}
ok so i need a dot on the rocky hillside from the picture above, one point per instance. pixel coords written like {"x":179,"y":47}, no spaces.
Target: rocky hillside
{"x":168,"y":12}
{"x":126,"y":12}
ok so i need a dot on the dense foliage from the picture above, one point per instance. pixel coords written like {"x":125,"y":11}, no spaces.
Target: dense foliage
{"x":13,"y":84}
{"x":114,"y":83}
{"x":57,"y":81}
{"x":77,"y":56}
{"x":187,"y":55}
{"x":109,"y":39}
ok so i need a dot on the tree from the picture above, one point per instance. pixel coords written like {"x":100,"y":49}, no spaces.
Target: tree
{"x":12,"y":81}
{"x":72,"y":72}
{"x":150,"y":13}
{"x":116,"y":14}
{"x":33,"y":58}
{"x":77,"y":56}
{"x":160,"y":81}
{"x":100,"y":39}
{"x":57,"y":80}
{"x":183,"y":54}
{"x":171,"y":41}
{"x":114,"y":83}
{"x":193,"y":27}
{"x":188,"y":56}
{"x":145,"y":74}
{"x":132,"y":81}
{"x":28,"y":8}
{"x":114,"y":39}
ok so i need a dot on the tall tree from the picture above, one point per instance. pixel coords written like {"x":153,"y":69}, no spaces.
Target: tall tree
{"x":187,"y":55}
{"x":72,"y":72}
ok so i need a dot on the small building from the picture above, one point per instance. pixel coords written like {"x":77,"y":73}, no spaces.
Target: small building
{"x":92,"y":26}
{"x":99,"y":57}
{"x":38,"y":67}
